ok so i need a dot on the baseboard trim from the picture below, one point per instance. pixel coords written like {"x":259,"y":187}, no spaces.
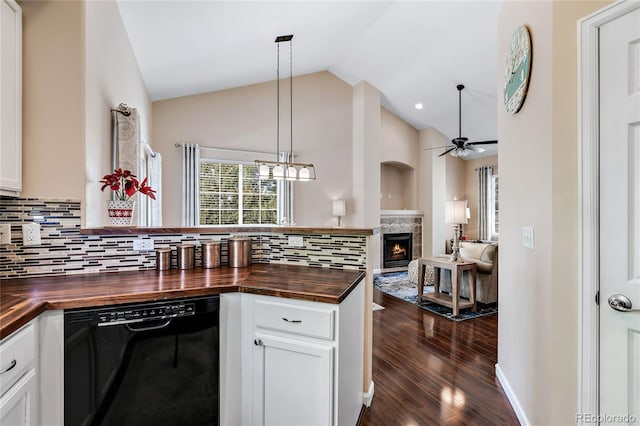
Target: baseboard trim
{"x":377,"y":271}
{"x":511,"y":396}
{"x":368,"y":396}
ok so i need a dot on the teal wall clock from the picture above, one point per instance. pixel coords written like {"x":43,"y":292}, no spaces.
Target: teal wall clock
{"x":517,"y":70}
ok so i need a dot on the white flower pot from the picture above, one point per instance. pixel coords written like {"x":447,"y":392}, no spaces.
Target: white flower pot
{"x":120,"y":212}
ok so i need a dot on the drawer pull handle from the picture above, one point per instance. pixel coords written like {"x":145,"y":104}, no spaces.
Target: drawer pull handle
{"x":291,"y":321}
{"x":13,"y":364}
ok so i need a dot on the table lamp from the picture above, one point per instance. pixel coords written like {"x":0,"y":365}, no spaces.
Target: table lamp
{"x":455,"y":213}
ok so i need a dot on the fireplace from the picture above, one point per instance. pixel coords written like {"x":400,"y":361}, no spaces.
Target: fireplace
{"x":396,"y":250}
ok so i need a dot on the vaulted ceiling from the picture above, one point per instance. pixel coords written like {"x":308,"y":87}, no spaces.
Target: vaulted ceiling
{"x":412,"y":51}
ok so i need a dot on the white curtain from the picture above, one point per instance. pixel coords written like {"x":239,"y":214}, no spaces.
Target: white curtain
{"x":485,"y":208}
{"x":151,"y":168}
{"x":190,"y":184}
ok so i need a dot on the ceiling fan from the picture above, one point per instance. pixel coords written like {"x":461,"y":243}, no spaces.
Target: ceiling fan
{"x":461,"y":146}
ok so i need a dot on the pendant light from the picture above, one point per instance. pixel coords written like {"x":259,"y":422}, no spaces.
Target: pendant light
{"x":287,"y":169}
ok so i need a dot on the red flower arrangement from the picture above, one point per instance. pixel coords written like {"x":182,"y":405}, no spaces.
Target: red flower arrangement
{"x":125,"y":185}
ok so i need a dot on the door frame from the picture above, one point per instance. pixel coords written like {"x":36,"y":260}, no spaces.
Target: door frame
{"x":589,"y":127}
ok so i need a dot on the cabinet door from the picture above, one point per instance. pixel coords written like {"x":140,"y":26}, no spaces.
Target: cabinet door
{"x":10,"y":97}
{"x":293,"y":382}
{"x":18,"y":404}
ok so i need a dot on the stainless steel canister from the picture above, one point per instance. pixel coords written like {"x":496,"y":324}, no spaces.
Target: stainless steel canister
{"x":163,"y":259}
{"x":239,"y":252}
{"x":210,"y":254}
{"x":186,"y":256}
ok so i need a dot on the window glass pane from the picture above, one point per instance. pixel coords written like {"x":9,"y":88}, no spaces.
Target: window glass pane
{"x":268,"y":216}
{"x":269,"y":202}
{"x":209,"y":217}
{"x":229,"y":201}
{"x":251,"y":216}
{"x":228,"y":217}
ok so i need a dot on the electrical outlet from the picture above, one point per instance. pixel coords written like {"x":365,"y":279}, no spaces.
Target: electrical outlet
{"x":296,"y":241}
{"x":5,"y":233}
{"x":527,"y":237}
{"x":31,"y":234}
{"x":143,"y":244}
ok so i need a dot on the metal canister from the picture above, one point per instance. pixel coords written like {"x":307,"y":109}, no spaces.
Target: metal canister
{"x":186,"y":256}
{"x":210,"y":254}
{"x":163,"y":259}
{"x":239,"y":252}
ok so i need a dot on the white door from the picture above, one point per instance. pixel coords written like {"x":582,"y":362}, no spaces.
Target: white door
{"x":293,"y":383}
{"x":620,"y":218}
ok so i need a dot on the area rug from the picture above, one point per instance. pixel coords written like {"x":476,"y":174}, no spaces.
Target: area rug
{"x":397,"y":285}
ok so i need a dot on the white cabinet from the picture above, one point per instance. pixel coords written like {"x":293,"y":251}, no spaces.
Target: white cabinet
{"x":10,"y":98}
{"x":19,"y":377}
{"x":307,"y":364}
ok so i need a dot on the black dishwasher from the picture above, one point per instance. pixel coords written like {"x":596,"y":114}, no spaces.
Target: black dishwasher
{"x":143,"y":364}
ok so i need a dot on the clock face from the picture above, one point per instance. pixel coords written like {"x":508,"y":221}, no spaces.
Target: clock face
{"x":517,"y":70}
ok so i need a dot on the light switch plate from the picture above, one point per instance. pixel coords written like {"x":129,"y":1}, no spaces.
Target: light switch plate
{"x":5,"y":233}
{"x":31,"y":234}
{"x":527,"y":237}
{"x":296,"y":241}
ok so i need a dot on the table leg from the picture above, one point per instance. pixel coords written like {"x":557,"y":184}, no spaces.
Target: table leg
{"x":455,"y":289}
{"x":473,"y":288}
{"x":436,"y":280}
{"x":420,"y":279}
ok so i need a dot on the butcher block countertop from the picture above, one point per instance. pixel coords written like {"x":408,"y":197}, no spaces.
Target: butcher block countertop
{"x":22,"y":299}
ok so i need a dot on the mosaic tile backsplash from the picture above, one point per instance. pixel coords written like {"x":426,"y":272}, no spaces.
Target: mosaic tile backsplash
{"x":64,"y":251}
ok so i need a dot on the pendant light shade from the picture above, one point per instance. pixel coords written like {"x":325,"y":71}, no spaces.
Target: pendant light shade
{"x":278,"y":172}
{"x":285,"y":169}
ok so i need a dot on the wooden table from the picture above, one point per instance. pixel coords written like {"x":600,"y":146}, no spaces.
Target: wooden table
{"x":452,"y":301}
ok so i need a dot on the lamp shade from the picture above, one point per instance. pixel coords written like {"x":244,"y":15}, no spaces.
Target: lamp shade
{"x":339,"y":208}
{"x":455,"y":211}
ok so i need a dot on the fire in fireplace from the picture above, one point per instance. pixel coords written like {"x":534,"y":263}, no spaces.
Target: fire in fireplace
{"x":397,"y":250}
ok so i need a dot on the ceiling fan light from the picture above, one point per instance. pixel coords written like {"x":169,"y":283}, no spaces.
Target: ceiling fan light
{"x":463,"y":153}
{"x":479,"y":150}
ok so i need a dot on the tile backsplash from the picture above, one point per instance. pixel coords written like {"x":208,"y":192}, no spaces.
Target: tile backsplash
{"x":63,"y":250}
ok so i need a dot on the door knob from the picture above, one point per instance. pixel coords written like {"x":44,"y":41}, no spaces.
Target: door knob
{"x":621,"y":303}
{"x":258,"y":342}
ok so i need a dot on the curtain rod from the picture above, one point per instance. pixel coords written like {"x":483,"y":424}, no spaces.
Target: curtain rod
{"x":492,"y":165}
{"x":178,"y":145}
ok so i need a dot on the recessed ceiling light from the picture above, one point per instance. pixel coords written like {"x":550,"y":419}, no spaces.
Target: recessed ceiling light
{"x":419,"y":105}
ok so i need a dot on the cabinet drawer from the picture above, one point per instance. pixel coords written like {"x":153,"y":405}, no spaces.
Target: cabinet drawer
{"x":17,"y":354}
{"x":304,"y":320}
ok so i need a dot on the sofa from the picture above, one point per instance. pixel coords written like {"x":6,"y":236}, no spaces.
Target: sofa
{"x":485,"y":256}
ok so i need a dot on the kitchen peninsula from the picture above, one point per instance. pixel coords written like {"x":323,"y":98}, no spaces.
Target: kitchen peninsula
{"x":328,"y":275}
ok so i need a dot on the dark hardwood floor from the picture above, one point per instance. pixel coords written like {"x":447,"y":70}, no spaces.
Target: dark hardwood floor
{"x":429,"y":370}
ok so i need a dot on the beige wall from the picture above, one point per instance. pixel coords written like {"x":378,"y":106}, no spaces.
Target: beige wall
{"x":77,"y":65}
{"x":400,"y":147}
{"x":53,"y":139}
{"x":471,"y":190}
{"x":538,"y":329}
{"x":244,"y":119}
{"x":112,"y":76}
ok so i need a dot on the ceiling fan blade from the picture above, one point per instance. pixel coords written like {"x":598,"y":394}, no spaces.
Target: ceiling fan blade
{"x":437,"y":147}
{"x":482,"y":143}
{"x":447,"y":151}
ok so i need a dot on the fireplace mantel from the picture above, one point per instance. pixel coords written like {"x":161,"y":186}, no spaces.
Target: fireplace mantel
{"x":401,"y":213}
